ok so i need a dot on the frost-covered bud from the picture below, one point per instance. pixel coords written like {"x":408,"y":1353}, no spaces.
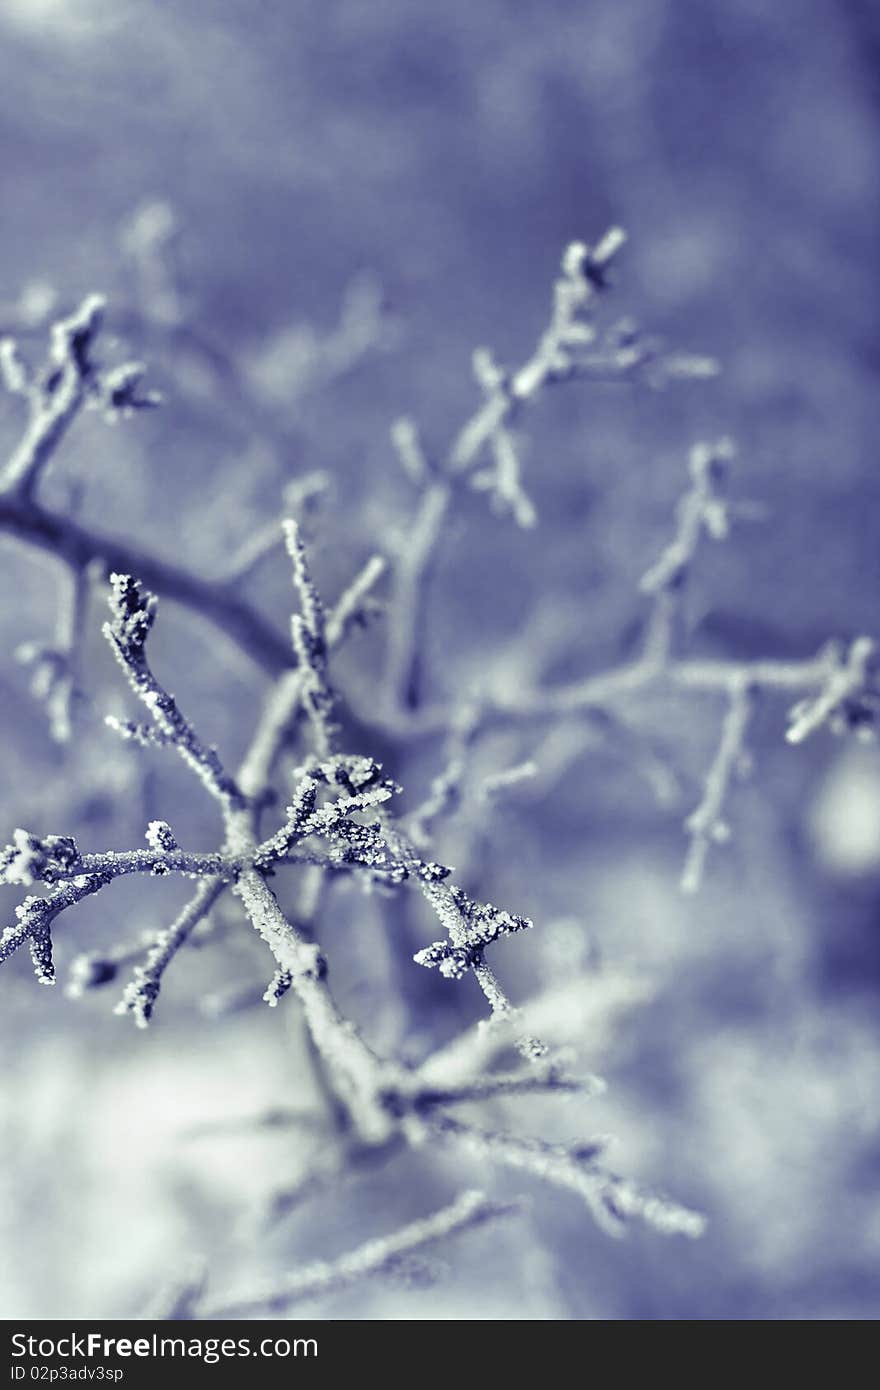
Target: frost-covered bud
{"x":90,"y":971}
{"x":849,"y":701}
{"x":160,"y":837}
{"x":278,"y":987}
{"x":355,"y":774}
{"x":406,"y":441}
{"x":433,"y":872}
{"x":491,"y":377}
{"x":118,"y":392}
{"x":30,"y":858}
{"x":573,"y":258}
{"x":581,"y":262}
{"x":708,"y":462}
{"x":452,"y":961}
{"x":72,"y":337}
{"x":134,"y":612}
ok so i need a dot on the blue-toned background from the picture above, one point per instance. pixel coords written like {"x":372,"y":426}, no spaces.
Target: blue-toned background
{"x":412,"y":171}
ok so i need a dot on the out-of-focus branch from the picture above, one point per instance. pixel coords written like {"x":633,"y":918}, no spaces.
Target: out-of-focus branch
{"x":611,"y":1199}
{"x":80,"y":547}
{"x":706,"y":825}
{"x":69,"y":381}
{"x":140,"y":994}
{"x":375,"y":1257}
{"x":570,"y":347}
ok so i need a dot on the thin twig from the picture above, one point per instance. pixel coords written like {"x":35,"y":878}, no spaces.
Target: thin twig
{"x":375,"y":1257}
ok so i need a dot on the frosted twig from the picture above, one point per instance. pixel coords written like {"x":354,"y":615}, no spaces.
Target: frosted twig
{"x":446,"y":790}
{"x":119,"y":863}
{"x":140,"y":995}
{"x":849,"y":697}
{"x":308,"y":629}
{"x":413,"y":459}
{"x":375,"y":1257}
{"x":706,"y":825}
{"x":69,"y":381}
{"x":611,"y":1199}
{"x":34,"y":918}
{"x":283,"y":705}
{"x":563,"y":351}
{"x":300,"y":358}
{"x":356,"y":604}
{"x":413,"y":571}
{"x":300,"y":498}
{"x":529,"y":1081}
{"x":703,"y":509}
{"x":584,"y":274}
{"x":15,"y":374}
{"x":502,"y":480}
{"x":148,"y":239}
{"x":133,"y":611}
{"x":472,"y":926}
{"x":356,"y":1071}
{"x":499,"y":783}
{"x":79,"y":547}
{"x":616,"y":683}
{"x":93,"y":969}
{"x":254,"y":550}
{"x":55,"y":401}
{"x":54,"y":676}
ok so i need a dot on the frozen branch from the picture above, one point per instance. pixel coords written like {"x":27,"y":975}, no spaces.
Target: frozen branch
{"x":702,"y":510}
{"x":413,"y":571}
{"x":532,"y":1080}
{"x":498,"y":784}
{"x":447,"y":788}
{"x":611,"y":1199}
{"x":413,"y":459}
{"x":564,"y":350}
{"x":706,"y":825}
{"x":55,"y":401}
{"x":375,"y":1257}
{"x":140,"y":995}
{"x":69,"y":381}
{"x":55,"y":678}
{"x":849,"y":697}
{"x":35,"y":916}
{"x":339,"y":813}
{"x":309,"y":633}
{"x":79,"y":547}
{"x":472,"y":926}
{"x":133,"y":611}
{"x":284,"y":704}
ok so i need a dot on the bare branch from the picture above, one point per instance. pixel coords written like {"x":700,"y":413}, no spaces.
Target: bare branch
{"x":133,"y":612}
{"x":379,"y":1256}
{"x":56,"y":400}
{"x":611,"y":1199}
{"x":849,"y":698}
{"x":80,"y":547}
{"x":309,"y":633}
{"x":706,"y":825}
{"x":140,"y":995}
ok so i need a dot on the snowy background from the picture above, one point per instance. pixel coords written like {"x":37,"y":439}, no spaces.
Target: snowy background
{"x":412,"y":171}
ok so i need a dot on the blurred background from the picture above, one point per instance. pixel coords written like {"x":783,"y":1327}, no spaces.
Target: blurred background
{"x":305,"y":217}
